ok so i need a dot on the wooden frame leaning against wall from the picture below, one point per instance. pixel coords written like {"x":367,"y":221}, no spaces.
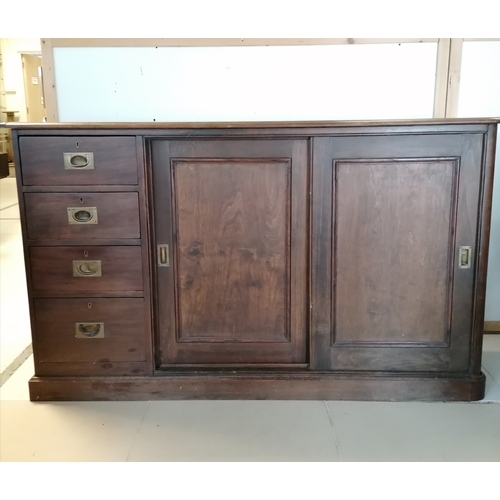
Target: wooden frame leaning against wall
{"x":448,"y":59}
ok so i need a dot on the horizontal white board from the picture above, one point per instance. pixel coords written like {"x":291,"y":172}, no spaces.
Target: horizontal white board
{"x":198,"y":84}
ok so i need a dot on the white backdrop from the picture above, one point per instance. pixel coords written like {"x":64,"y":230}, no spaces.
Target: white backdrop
{"x":183,"y":84}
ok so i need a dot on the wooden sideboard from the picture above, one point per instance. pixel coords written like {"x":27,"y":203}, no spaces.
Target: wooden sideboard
{"x":340,"y":260}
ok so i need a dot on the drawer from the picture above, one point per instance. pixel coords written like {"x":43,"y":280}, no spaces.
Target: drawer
{"x":61,"y":161}
{"x":82,"y":215}
{"x":86,"y":269}
{"x":90,"y":330}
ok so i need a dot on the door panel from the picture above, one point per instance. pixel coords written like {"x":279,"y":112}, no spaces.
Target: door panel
{"x":235,"y":221}
{"x":393,"y":225}
{"x":232,"y":256}
{"x":389,"y":216}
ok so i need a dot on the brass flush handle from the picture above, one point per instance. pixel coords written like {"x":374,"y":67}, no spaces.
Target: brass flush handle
{"x":163,"y":257}
{"x":89,"y":330}
{"x":87,"y":269}
{"x":78,"y":161}
{"x":464,"y":261}
{"x":82,"y":215}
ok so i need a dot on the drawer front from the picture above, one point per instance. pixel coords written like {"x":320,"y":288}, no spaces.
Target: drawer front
{"x":82,"y":215}
{"x":86,"y":269}
{"x":60,"y":161}
{"x":90,"y":330}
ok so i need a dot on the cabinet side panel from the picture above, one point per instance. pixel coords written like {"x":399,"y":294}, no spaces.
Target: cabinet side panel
{"x":392,"y":261}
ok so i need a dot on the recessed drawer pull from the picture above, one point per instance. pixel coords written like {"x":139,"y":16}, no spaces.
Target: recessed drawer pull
{"x":87,"y":269}
{"x":78,"y":161}
{"x":89,"y":330}
{"x":82,"y":215}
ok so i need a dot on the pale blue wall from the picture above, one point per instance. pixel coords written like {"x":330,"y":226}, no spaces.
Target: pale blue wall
{"x":480,"y":96}
{"x":196,"y":84}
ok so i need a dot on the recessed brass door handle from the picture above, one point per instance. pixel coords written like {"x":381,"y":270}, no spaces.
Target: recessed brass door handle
{"x":87,"y":269}
{"x":163,"y":257}
{"x":464,"y":257}
{"x":82,"y":215}
{"x":89,"y":330}
{"x":78,"y":161}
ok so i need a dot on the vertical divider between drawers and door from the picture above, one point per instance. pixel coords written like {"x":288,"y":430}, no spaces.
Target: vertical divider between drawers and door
{"x":146,"y":221}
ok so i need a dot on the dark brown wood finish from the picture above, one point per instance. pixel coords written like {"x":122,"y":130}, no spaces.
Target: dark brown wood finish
{"x":105,"y":169}
{"x":396,"y":299}
{"x":146,"y":250}
{"x":24,"y":229}
{"x":393,"y":222}
{"x":47,"y":213}
{"x":233,"y":259}
{"x":102,"y":369}
{"x":236,"y":223}
{"x":123,"y":326}
{"x":264,"y":385}
{"x":52,"y":269}
{"x":80,"y":188}
{"x":383,"y":185}
{"x":42,"y":160}
{"x":483,"y":239}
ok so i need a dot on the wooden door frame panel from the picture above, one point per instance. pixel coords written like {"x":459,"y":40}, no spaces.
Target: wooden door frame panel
{"x":296,"y":151}
{"x":455,"y":358}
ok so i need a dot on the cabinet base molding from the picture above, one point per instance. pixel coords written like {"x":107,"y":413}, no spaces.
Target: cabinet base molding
{"x":281,"y":386}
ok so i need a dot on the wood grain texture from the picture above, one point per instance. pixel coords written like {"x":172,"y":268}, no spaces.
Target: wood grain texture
{"x":103,"y":369}
{"x":145,"y":217}
{"x":47,"y":215}
{"x":124,"y":336}
{"x":393,"y":226}
{"x":469,"y":226}
{"x":375,"y":366}
{"x":42,"y":160}
{"x":232,"y":259}
{"x":259,"y":386}
{"x":367,"y":340}
{"x":483,"y":237}
{"x":257,"y":215}
{"x":321,"y":241}
{"x":24,"y":229}
{"x":52,"y":269}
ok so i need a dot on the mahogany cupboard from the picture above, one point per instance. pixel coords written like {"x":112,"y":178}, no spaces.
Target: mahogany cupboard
{"x":333,"y":260}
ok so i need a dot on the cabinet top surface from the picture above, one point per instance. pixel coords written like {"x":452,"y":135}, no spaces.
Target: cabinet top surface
{"x":243,"y":125}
